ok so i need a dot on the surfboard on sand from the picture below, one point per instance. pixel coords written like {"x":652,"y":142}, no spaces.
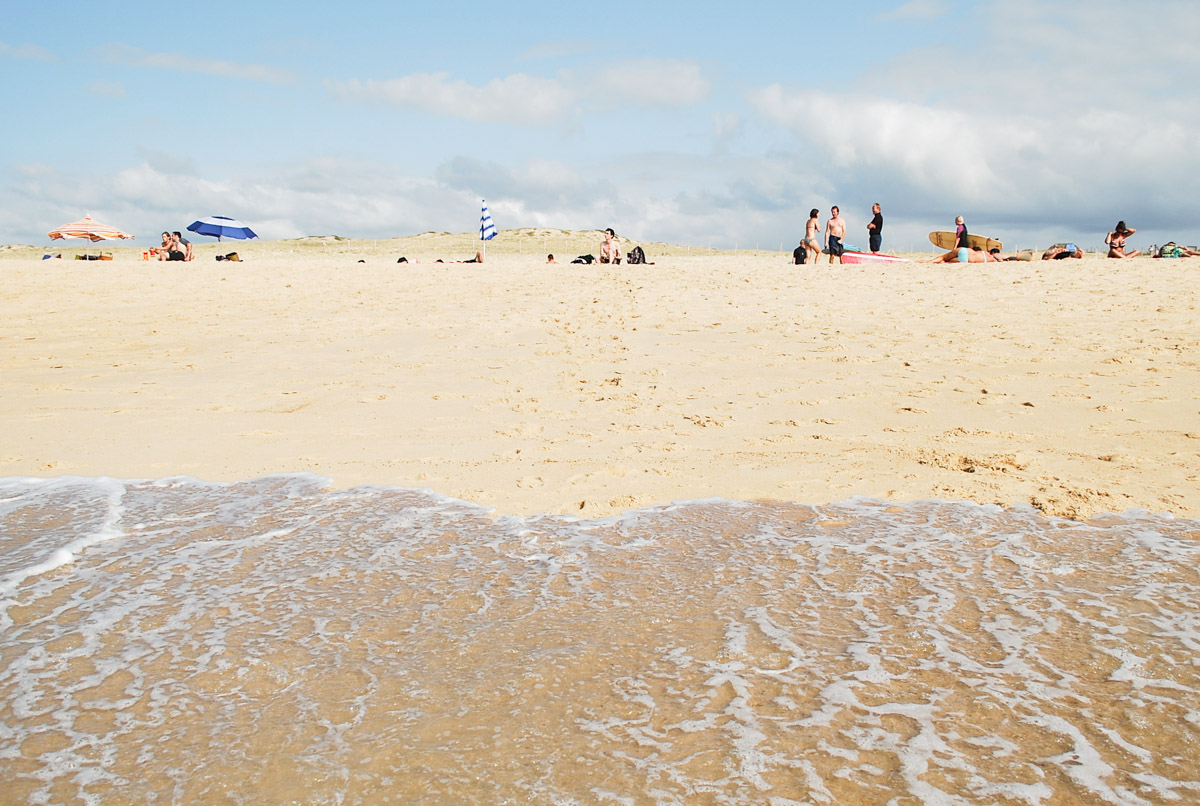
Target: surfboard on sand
{"x":945,"y":240}
{"x":870,"y":257}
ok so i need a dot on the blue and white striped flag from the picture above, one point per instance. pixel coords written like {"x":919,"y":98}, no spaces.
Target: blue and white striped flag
{"x":487,"y":230}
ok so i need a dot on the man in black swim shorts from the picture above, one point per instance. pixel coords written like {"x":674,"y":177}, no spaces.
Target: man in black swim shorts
{"x":835,"y":230}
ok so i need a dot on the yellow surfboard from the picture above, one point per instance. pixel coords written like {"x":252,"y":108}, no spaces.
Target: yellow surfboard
{"x":945,"y":240}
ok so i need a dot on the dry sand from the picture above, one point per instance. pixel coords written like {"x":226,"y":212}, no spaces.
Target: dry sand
{"x":1069,"y":385}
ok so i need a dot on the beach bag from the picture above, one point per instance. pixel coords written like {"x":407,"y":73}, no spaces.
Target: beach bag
{"x":1171,"y":250}
{"x":636,"y":255}
{"x":584,"y":259}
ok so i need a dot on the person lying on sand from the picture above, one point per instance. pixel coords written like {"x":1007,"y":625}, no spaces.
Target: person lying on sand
{"x":965,"y":255}
{"x":477,"y":259}
{"x":1062,"y":251}
{"x":1172,"y":249}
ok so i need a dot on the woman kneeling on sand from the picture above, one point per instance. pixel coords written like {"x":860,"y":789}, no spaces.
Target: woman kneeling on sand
{"x":1116,"y":241}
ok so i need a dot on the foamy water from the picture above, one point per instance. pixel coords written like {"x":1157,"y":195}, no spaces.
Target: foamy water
{"x":272,"y":642}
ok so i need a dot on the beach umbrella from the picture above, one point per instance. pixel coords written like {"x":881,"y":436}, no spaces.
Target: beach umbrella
{"x":219,"y":226}
{"x":89,"y":228}
{"x":487,"y":230}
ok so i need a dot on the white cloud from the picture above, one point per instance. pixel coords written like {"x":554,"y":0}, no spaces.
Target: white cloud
{"x":106,"y":89}
{"x":652,"y":82}
{"x":931,"y":147}
{"x":522,"y":99}
{"x":565,"y":47}
{"x":124,"y":54}
{"x":518,"y":98}
{"x":917,"y":10}
{"x":1029,"y":123}
{"x":32,"y":52}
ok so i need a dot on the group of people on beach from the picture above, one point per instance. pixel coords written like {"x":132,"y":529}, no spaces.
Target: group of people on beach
{"x":175,"y":247}
{"x":832,"y":242}
{"x":966,"y":252}
{"x":965,"y":249}
{"x":610,"y":252}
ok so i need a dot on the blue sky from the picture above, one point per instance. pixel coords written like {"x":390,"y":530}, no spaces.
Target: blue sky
{"x":694,"y":123}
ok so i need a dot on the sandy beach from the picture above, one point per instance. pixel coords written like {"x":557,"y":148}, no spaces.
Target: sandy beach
{"x":588,"y":390}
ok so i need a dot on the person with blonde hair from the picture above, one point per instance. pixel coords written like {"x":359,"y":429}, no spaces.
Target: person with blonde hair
{"x":960,"y":233}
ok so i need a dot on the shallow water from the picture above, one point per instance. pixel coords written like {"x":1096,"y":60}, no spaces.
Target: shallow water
{"x":276,"y":642}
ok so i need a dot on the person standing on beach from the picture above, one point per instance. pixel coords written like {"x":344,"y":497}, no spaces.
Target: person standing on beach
{"x":960,"y":233}
{"x":835,"y":231}
{"x":812,"y":247}
{"x":875,"y":228}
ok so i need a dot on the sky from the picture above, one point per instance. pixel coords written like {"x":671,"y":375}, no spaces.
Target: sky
{"x":708,"y":124}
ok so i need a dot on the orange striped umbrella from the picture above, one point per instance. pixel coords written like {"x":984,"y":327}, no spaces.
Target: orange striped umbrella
{"x":90,"y":229}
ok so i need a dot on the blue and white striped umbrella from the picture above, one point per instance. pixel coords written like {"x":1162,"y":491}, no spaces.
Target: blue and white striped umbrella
{"x":219,"y":226}
{"x":487,"y":230}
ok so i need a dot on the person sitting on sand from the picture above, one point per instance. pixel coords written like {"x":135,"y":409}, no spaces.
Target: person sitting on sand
{"x":1172,"y":249}
{"x":609,"y":251}
{"x":184,"y":245}
{"x":164,"y":249}
{"x":550,"y":259}
{"x":965,"y":255}
{"x":1062,"y":252}
{"x":170,"y":249}
{"x":1116,"y":241}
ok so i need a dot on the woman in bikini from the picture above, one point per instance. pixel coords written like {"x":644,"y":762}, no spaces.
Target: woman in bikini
{"x":812,"y":247}
{"x":1116,"y":241}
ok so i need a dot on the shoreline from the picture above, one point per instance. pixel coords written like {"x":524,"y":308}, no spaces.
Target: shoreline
{"x":591,"y":390}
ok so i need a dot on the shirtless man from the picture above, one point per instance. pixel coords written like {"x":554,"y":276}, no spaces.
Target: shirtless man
{"x":835,"y":231}
{"x":812,"y":247}
{"x":609,"y":251}
{"x":184,"y":245}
